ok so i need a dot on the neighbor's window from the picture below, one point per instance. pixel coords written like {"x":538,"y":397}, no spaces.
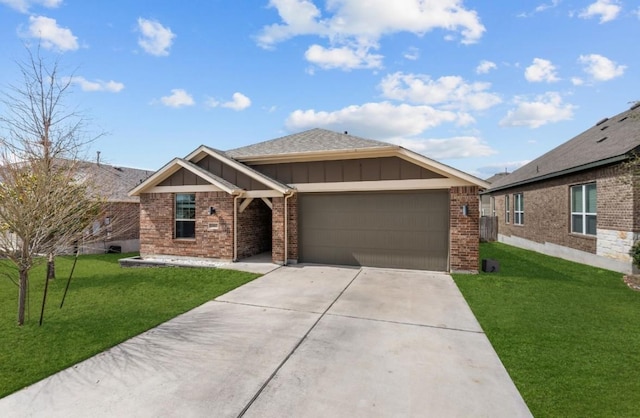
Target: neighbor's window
{"x":583,"y":209}
{"x":507,"y":213}
{"x":185,"y":215}
{"x":518,"y":209}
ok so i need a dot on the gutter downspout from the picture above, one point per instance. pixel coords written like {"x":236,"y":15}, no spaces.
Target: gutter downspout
{"x":286,"y":227}
{"x":235,"y":226}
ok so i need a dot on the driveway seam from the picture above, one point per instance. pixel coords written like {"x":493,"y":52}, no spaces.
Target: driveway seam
{"x":407,"y":323}
{"x":304,"y":337}
{"x":268,"y":306}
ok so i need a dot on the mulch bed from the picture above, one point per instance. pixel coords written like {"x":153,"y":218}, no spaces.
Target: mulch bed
{"x":633,"y":281}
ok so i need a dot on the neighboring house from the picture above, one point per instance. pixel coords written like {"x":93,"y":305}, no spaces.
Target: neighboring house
{"x":487,"y":203}
{"x":118,"y":229}
{"x":316,"y":196}
{"x":577,"y":201}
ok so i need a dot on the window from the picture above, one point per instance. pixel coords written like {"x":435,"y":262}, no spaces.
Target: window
{"x":583,"y":209}
{"x":185,"y":215}
{"x":518,"y":209}
{"x":507,"y":213}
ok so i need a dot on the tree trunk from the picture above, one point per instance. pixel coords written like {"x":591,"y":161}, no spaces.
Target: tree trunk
{"x":22,"y":295}
{"x":51,"y":267}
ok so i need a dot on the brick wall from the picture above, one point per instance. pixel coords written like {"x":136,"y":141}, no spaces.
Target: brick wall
{"x":124,"y":220}
{"x":292,"y":214}
{"x":547,"y":209}
{"x":277,"y":230}
{"x":157,"y":226}
{"x":464,"y":230}
{"x":254,"y":229}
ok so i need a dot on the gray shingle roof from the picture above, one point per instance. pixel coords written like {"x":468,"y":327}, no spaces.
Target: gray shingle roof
{"x":115,"y":182}
{"x":608,"y":140}
{"x":314,"y":140}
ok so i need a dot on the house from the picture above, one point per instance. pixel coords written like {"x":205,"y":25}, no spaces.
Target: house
{"x":318,"y":197}
{"x":118,"y":228}
{"x":578,"y":201}
{"x":487,"y":207}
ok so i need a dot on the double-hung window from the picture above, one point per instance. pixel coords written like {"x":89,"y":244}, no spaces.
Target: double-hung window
{"x":507,"y":212}
{"x":583,"y":209}
{"x":185,"y":215}
{"x":518,"y":209}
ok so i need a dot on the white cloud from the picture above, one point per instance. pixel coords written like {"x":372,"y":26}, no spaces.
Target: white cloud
{"x":544,"y":109}
{"x":608,"y":10}
{"x":601,"y":68}
{"x":98,"y":85}
{"x":24,"y":5}
{"x":360,"y":25}
{"x":178,"y":98}
{"x":155,"y":39}
{"x":450,"y":92}
{"x":577,"y":81}
{"x":344,"y":58}
{"x":51,"y":35}
{"x":239,"y":102}
{"x":541,"y":70}
{"x":373,"y":120}
{"x":485,"y":66}
{"x":412,"y":53}
{"x":456,"y":147}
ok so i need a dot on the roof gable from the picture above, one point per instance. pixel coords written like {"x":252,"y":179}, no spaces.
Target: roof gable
{"x":174,"y":166}
{"x":609,"y":140}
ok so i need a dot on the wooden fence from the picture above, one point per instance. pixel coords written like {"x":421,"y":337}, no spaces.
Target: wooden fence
{"x":488,"y":228}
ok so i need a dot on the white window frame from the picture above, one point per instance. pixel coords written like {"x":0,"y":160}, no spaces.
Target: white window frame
{"x":518,"y":209}
{"x":583,"y":214}
{"x":507,"y":212}
{"x":182,"y":219}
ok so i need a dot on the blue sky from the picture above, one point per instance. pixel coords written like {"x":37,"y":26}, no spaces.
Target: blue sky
{"x":479,"y":85}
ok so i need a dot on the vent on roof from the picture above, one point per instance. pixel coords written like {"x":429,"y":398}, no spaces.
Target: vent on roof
{"x":600,"y":122}
{"x":623,"y":119}
{"x":635,"y":105}
{"x":601,"y":140}
{"x":604,"y":127}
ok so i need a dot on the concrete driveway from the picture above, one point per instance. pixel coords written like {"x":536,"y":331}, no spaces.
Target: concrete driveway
{"x":301,"y":341}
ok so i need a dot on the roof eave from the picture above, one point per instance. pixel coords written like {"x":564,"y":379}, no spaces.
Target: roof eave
{"x":561,"y":173}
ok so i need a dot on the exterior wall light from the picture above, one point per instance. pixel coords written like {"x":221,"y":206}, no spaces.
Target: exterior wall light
{"x":212,"y":210}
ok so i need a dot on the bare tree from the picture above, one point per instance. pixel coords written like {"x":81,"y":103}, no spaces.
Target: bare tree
{"x":46,"y":201}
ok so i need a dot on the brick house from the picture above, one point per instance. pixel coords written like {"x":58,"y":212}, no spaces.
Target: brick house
{"x":119,"y":225}
{"x":316,"y":196}
{"x":579,"y":200}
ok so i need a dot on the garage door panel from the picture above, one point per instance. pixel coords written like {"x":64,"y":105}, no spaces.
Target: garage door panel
{"x":393,"y":229}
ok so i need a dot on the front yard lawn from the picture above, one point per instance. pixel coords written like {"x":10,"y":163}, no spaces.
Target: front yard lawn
{"x":568,"y":334}
{"x":105,"y":305}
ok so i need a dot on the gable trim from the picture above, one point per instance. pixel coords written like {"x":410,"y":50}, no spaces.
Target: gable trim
{"x":203,"y":150}
{"x":172,"y":167}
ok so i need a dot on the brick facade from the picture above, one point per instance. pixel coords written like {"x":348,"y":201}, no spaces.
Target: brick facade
{"x":464,"y":229}
{"x":254,"y":229}
{"x":214,"y":233}
{"x":547,"y":209}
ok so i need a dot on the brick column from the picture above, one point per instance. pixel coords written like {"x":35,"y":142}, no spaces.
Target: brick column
{"x":277,"y":230}
{"x":464,"y":230}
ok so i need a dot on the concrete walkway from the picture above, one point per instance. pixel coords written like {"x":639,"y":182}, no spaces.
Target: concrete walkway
{"x":302,"y":341}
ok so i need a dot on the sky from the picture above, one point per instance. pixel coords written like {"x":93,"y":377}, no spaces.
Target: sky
{"x":482,"y":86}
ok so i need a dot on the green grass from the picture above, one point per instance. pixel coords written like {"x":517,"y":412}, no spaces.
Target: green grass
{"x":568,"y":334}
{"x":105,"y":305}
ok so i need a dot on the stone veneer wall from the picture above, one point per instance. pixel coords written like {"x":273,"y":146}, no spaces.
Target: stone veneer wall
{"x":464,"y":230}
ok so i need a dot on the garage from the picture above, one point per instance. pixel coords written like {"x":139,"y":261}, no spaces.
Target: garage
{"x":378,"y":229}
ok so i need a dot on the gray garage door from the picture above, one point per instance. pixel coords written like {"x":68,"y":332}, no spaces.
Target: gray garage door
{"x":391,"y":229}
